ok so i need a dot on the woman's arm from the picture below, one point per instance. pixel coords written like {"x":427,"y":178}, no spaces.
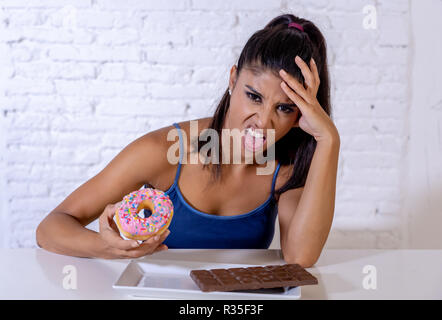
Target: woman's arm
{"x":306,"y":214}
{"x":63,"y":229}
{"x":62,"y":233}
{"x":306,"y":219}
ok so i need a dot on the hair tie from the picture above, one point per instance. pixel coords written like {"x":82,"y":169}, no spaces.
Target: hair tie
{"x":296,"y":25}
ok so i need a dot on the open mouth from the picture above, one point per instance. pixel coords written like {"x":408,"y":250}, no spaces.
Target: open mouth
{"x":254,"y":139}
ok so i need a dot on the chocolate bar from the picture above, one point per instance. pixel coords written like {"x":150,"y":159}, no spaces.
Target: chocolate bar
{"x":250,"y":278}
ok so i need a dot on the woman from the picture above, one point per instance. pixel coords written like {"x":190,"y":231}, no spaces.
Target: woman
{"x":228,"y":205}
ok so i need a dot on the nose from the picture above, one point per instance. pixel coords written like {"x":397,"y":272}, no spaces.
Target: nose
{"x":265,"y":118}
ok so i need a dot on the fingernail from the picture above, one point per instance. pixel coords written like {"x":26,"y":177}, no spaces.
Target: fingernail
{"x":157,"y":238}
{"x":168,"y":232}
{"x":283,"y":72}
{"x":134,"y":244}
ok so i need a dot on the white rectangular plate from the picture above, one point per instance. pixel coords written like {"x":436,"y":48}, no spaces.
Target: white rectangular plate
{"x":166,"y":279}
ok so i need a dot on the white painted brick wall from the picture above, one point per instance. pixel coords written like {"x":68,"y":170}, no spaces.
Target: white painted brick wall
{"x":82,"y":79}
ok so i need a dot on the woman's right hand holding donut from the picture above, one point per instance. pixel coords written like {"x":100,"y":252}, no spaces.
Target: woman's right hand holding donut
{"x":118,"y":248}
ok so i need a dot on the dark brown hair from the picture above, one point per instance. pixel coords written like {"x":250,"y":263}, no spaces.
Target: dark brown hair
{"x":271,"y":49}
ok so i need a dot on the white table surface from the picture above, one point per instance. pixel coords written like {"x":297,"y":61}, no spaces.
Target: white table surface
{"x":401,"y":274}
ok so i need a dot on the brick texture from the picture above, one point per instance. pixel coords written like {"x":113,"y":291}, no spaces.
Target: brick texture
{"x":82,"y":79}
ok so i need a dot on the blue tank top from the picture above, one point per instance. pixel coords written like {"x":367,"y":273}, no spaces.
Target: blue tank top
{"x":191,"y":228}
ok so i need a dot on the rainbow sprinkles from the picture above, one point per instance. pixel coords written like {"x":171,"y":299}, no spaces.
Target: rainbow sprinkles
{"x":132,"y":225}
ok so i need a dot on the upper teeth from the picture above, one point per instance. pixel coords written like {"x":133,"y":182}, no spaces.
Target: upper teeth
{"x":254,"y":133}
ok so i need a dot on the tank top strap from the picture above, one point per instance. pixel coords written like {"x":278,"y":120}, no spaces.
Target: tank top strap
{"x":274,"y":177}
{"x":181,"y":151}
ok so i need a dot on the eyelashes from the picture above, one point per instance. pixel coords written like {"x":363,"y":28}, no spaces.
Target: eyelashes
{"x":252,"y":96}
{"x":257,"y":99}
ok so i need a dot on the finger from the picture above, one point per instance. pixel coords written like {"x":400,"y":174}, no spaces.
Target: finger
{"x":107,"y":215}
{"x":111,"y":209}
{"x":314,"y":69}
{"x":315,"y":72}
{"x":116,"y":241}
{"x":152,"y":243}
{"x":162,"y":247}
{"x":108,"y":212}
{"x":148,"y":246}
{"x":158,"y":239}
{"x":295,"y":85}
{"x":110,"y":232}
{"x":140,"y":252}
{"x":114,"y":226}
{"x":297,"y":99}
{"x":164,"y":235}
{"x":127,"y":254}
{"x":306,"y":72}
{"x":111,"y":215}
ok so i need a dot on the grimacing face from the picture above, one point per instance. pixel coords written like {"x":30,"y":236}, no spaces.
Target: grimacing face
{"x":258,"y":101}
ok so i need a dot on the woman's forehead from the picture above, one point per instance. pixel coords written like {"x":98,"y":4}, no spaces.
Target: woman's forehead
{"x":266,"y":83}
{"x":258,"y":70}
{"x":260,"y":75}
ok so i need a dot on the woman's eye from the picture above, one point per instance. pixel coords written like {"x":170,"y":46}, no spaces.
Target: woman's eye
{"x":285,"y":109}
{"x":256,"y":98}
{"x":253,"y":97}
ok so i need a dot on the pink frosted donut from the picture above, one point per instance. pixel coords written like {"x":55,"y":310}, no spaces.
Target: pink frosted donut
{"x":133,"y":226}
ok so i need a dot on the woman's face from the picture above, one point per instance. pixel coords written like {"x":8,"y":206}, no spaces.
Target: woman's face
{"x":258,"y":101}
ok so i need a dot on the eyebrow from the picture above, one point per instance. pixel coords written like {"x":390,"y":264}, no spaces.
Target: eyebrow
{"x":261,"y":96}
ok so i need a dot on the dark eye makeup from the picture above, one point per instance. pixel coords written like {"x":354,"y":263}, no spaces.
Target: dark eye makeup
{"x":255,"y":98}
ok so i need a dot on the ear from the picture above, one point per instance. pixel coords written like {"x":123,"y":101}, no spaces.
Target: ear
{"x":233,"y":77}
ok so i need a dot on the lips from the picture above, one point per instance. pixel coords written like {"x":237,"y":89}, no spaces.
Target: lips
{"x":254,"y":139}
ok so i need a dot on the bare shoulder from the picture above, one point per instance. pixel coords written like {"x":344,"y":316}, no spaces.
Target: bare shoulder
{"x":201,"y":123}
{"x":151,"y":151}
{"x":163,"y":138}
{"x":155,"y":146}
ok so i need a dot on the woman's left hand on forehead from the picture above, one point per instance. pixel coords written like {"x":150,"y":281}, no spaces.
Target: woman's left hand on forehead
{"x":314,"y":120}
